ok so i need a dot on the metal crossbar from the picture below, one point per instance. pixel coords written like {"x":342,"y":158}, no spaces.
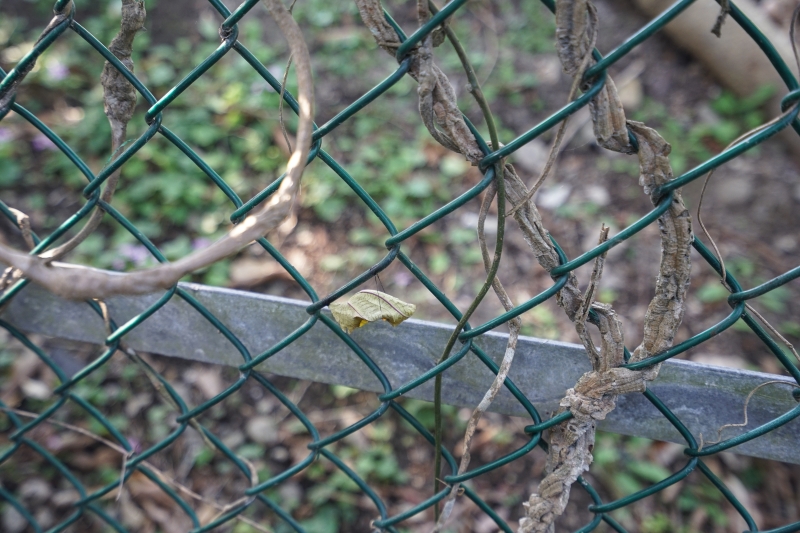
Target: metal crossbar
{"x":407,"y":352}
{"x":135,"y":322}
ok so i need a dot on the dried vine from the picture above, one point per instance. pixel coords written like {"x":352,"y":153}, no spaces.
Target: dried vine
{"x":514,"y":325}
{"x":440,"y":114}
{"x":594,"y":396}
{"x":119,"y":101}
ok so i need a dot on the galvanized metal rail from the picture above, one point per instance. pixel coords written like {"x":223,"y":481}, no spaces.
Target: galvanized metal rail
{"x":704,"y":397}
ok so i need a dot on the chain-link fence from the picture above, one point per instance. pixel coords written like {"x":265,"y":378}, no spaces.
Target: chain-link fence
{"x":410,"y":53}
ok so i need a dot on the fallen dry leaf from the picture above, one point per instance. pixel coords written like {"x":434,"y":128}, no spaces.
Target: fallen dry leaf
{"x":369,"y":306}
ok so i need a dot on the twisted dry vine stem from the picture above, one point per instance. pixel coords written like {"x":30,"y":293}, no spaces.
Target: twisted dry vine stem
{"x":594,"y":395}
{"x":573,"y":91}
{"x":78,"y":282}
{"x":119,"y":101}
{"x":514,"y":325}
{"x":441,"y":116}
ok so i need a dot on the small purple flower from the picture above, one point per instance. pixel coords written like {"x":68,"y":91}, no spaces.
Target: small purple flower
{"x":54,"y":442}
{"x":135,"y":253}
{"x":41,"y":142}
{"x":57,"y":70}
{"x":200,"y":242}
{"x":6,"y":135}
{"x":136,"y":444}
{"x":403,"y":278}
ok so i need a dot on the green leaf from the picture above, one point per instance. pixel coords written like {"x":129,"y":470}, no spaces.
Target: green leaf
{"x":439,"y":263}
{"x":9,"y":172}
{"x":325,"y":520}
{"x":340,"y":391}
{"x":791,"y":328}
{"x":251,"y":451}
{"x":369,"y":306}
{"x":160,"y":74}
{"x":657,"y":523}
{"x":712,"y":292}
{"x":205,"y":135}
{"x":331,"y":209}
{"x":626,"y":484}
{"x":361,"y":236}
{"x":419,"y":188}
{"x":775,"y":300}
{"x":649,"y":471}
{"x":605,"y":455}
{"x":332,"y":263}
{"x":205,"y":456}
{"x":453,"y":165}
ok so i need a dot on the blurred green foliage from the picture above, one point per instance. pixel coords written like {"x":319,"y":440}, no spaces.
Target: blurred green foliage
{"x":229,"y":117}
{"x":703,"y":137}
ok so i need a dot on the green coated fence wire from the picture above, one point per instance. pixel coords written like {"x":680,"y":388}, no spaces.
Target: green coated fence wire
{"x":92,"y":501}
